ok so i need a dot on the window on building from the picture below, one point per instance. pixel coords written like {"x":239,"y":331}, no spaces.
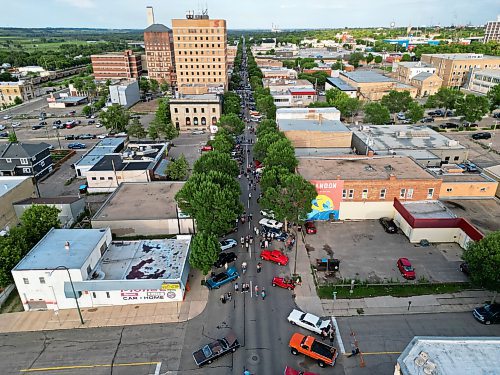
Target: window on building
{"x":176,"y":110}
{"x":344,"y":194}
{"x":25,"y":280}
{"x":446,"y":159}
{"x":93,"y":178}
{"x":430,"y":193}
{"x":24,"y":161}
{"x":110,"y":178}
{"x":187,"y":110}
{"x":449,"y":190}
{"x":107,"y":295}
{"x":351,"y":193}
{"x":383,"y":193}
{"x":203,"y":121}
{"x":42,"y":280}
{"x":94,"y":295}
{"x":402,"y":193}
{"x":188,"y":120}
{"x":409,"y":194}
{"x":456,"y":158}
{"x":213,"y":110}
{"x":101,"y":178}
{"x":26,"y":170}
{"x":364,"y":194}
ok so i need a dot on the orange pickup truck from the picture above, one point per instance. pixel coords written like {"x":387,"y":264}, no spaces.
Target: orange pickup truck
{"x":309,"y":346}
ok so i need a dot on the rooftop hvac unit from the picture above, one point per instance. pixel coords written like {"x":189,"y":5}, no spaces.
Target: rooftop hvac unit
{"x":391,"y":152}
{"x":430,"y":368}
{"x":452,"y":143}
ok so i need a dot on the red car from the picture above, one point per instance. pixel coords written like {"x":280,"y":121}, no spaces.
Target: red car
{"x":206,"y":148}
{"x":284,"y":282}
{"x":275,"y":256}
{"x":258,"y":164}
{"x":292,"y":371}
{"x":406,"y":269}
{"x":310,"y":227}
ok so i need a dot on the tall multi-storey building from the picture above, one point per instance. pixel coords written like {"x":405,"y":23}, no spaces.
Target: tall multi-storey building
{"x":200,"y":46}
{"x":123,"y":65}
{"x":158,"y":44}
{"x":455,"y":68}
{"x":492,"y":31}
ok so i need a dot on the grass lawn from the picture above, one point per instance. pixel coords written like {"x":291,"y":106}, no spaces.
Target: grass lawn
{"x":28,"y":44}
{"x":402,"y":290}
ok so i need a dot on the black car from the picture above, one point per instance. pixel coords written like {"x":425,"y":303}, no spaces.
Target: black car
{"x":35,"y":127}
{"x":216,"y":349}
{"x":91,"y":122}
{"x":487,"y":314}
{"x":225,"y":258}
{"x":69,"y":137}
{"x":496,"y":115}
{"x":278,"y":234}
{"x":4,"y":135}
{"x":43,"y":123}
{"x":482,"y":135}
{"x":448,"y":125}
{"x":389,"y":225}
{"x":57,"y":122}
{"x":427,"y":119}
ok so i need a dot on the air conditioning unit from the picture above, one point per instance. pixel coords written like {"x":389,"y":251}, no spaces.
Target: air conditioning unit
{"x":391,"y":152}
{"x":452,"y":143}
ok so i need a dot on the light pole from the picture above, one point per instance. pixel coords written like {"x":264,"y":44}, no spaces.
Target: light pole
{"x":72,"y":288}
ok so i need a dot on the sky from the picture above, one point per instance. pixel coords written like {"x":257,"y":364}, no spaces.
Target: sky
{"x":249,"y":14}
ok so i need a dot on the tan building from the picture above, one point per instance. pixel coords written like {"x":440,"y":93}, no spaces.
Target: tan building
{"x":10,"y":90}
{"x":194,"y":112}
{"x":455,"y":68}
{"x":279,"y":73}
{"x":231,"y":55}
{"x":158,"y":43}
{"x":123,"y":65}
{"x":494,"y":173}
{"x":426,"y":84}
{"x":404,"y":71}
{"x":13,"y":189}
{"x":200,"y":46}
{"x":268,"y":63}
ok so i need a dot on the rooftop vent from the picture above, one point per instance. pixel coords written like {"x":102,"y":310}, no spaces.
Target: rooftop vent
{"x":66,"y":245}
{"x":369,"y":168}
{"x":388,"y":168}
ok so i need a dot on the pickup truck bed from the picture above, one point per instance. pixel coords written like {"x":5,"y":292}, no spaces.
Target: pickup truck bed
{"x":324,"y":354}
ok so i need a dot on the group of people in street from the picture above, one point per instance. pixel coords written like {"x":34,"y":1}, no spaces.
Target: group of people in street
{"x":330,"y":334}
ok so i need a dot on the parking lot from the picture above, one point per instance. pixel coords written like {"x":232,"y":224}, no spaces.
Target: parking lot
{"x":483,"y":213}
{"x":367,"y":252}
{"x":189,"y":145}
{"x":477,"y":154}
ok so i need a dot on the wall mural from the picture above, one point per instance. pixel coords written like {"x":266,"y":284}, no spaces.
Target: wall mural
{"x":327,"y":203}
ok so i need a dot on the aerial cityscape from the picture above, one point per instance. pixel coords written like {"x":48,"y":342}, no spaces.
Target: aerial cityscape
{"x":261,"y":188}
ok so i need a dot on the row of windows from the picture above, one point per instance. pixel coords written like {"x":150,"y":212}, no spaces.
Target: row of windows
{"x":196,"y":38}
{"x":198,"y":31}
{"x":40,"y":279}
{"x":403,"y":193}
{"x":189,"y":45}
{"x":213,"y":52}
{"x":202,"y":59}
{"x":190,"y":73}
{"x":7,"y":91}
{"x":176,"y":110}
{"x":100,"y":178}
{"x":200,"y":80}
{"x":195,"y":121}
{"x":202,"y":66}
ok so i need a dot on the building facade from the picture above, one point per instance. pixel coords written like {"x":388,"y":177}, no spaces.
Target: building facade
{"x":13,"y":189}
{"x":9,"y":91}
{"x":406,"y":70}
{"x":125,"y":93}
{"x":483,"y":80}
{"x":195,"y":112}
{"x":25,"y":159}
{"x":158,"y":43}
{"x":426,"y":84}
{"x":124,"y":65}
{"x":200,"y":46}
{"x":455,"y":68}
{"x":268,"y":63}
{"x":492,"y":31}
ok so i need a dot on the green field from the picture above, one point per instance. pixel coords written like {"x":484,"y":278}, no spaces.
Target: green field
{"x":32,"y":44}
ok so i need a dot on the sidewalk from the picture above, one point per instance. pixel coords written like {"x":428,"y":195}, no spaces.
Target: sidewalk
{"x":167,"y":312}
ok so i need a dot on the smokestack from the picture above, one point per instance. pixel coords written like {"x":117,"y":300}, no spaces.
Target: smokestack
{"x":150,"y":16}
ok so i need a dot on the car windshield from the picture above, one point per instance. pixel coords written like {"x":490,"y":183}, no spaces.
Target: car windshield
{"x":408,"y":268}
{"x":318,"y":323}
{"x":206,"y":351}
{"x":219,"y":277}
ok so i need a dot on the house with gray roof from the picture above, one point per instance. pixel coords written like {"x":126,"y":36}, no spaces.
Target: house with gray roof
{"x":25,"y":159}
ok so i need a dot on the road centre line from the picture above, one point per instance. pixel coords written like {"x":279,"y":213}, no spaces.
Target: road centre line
{"x":77,"y":367}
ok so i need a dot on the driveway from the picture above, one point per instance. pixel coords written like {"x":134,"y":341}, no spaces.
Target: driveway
{"x":189,"y":145}
{"x":483,"y":213}
{"x":483,"y":157}
{"x":367,"y":252}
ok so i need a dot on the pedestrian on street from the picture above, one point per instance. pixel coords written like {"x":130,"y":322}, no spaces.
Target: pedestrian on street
{"x":256,"y":291}
{"x":257,"y":231}
{"x":250,"y":195}
{"x":324,"y":335}
{"x":332,"y":336}
{"x":263,"y":294}
{"x":259,"y":267}
{"x":250,"y":217}
{"x":246,"y":245}
{"x":250,"y":240}
{"x":229,"y":296}
{"x":236,"y":287}
{"x":223,"y":298}
{"x":266,"y":243}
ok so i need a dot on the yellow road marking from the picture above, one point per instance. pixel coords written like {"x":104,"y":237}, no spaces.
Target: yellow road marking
{"x":75,"y":367}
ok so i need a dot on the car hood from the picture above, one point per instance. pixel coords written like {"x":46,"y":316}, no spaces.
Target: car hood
{"x":295,"y":315}
{"x":482,"y":311}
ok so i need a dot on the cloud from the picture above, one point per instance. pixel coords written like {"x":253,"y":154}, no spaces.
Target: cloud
{"x":85,"y":4}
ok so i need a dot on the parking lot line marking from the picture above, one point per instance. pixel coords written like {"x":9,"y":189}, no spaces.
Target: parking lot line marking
{"x":158,"y":367}
{"x":337,"y":334}
{"x":380,"y":353}
{"x":76,"y":367}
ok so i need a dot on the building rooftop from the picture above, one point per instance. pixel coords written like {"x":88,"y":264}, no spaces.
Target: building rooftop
{"x":302,"y":91}
{"x":415,"y":64}
{"x":272,"y":82}
{"x":71,"y":99}
{"x":157,"y":28}
{"x":103,"y":147}
{"x":322,"y":152}
{"x":461,"y":56}
{"x":136,"y":200}
{"x":382,"y":138}
{"x":366,"y":76}
{"x":422,"y":76}
{"x":56,"y":200}
{"x":281,"y":112}
{"x":7,"y":183}
{"x":360,"y":168}
{"x":50,"y":251}
{"x":494,"y":171}
{"x":464,"y":176}
{"x":312,"y":125}
{"x":340,"y":84}
{"x":21,"y":149}
{"x":451,"y":355}
{"x":428,"y":210}
{"x":196,"y":97}
{"x":147,"y":259}
{"x":117,"y":163}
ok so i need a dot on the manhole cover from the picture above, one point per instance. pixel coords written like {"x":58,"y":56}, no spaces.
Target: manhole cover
{"x":254,"y":359}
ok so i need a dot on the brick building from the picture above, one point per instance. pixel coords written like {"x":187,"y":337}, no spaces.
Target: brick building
{"x":123,"y":65}
{"x":158,"y":43}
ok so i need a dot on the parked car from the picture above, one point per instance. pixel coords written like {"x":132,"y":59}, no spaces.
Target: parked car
{"x":469,"y":167}
{"x":496,"y":115}
{"x":468,"y":124}
{"x":16,"y":124}
{"x":401,"y":116}
{"x":197,"y":132}
{"x":323,"y":353}
{"x":427,"y":119}
{"x":406,"y":269}
{"x":225,"y":258}
{"x":407,"y":121}
{"x":98,"y":125}
{"x":57,"y":122}
{"x":275,"y":256}
{"x":228,"y":244}
{"x":43,"y":123}
{"x":448,"y":125}
{"x":69,"y":137}
{"x":389,"y":225}
{"x":267,"y":213}
{"x":481,"y":135}
{"x":464,"y":267}
{"x":291,"y":371}
{"x":76,"y":146}
{"x":86,"y":136}
{"x":283,"y":282}
{"x":309,"y":321}
{"x":7,"y":117}
{"x":35,"y":127}
{"x":4,"y":135}
{"x":271,"y":223}
{"x":206,"y":148}
{"x":310,"y":227}
{"x":216,"y":349}
{"x":278,"y":234}
{"x":2,"y":127}
{"x":487,"y":314}
{"x":216,"y":281}
{"x":91,"y":122}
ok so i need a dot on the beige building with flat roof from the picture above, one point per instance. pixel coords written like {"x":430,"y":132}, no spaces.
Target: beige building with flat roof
{"x":195,"y":112}
{"x":200,"y":46}
{"x":10,"y":90}
{"x":455,"y":68}
{"x":13,"y":189}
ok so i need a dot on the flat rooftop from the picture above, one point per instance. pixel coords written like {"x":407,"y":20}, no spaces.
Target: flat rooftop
{"x":340,"y":84}
{"x":488,"y":72}
{"x":144,"y":201}
{"x":428,"y":210}
{"x":146,"y":259}
{"x":452,"y":355}
{"x":409,"y":137}
{"x":196,"y":97}
{"x":50,"y":252}
{"x":7,"y":183}
{"x":304,"y":111}
{"x":360,"y":168}
{"x":312,"y":125}
{"x":461,"y":56}
{"x":366,"y":76}
{"x":55,"y":200}
{"x":460,"y":177}
{"x":327,"y":151}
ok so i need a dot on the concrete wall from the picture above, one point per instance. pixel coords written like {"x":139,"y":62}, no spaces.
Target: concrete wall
{"x":69,"y":212}
{"x":365,"y":210}
{"x":476,"y":189}
{"x":124,"y":228}
{"x":319,"y":139}
{"x":126,"y":95}
{"x":108,"y":181}
{"x":24,"y":190}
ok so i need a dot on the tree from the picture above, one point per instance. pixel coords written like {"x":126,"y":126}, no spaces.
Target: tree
{"x":445,"y":98}
{"x":205,"y":249}
{"x":369,"y":58}
{"x":264,"y":141}
{"x":164,"y":86}
{"x":135,"y":129}
{"x":216,"y":161}
{"x":38,"y":219}
{"x":223,"y":142}
{"x":494,"y":97}
{"x":265,"y":105}
{"x":13,"y":247}
{"x":415,"y":112}
{"x":265,"y":126}
{"x":334,"y":95}
{"x":472,"y":108}
{"x":406,"y":57}
{"x":231,"y":103}
{"x":376,"y":113}
{"x":232,"y":123}
{"x":177,"y":169}
{"x":162,"y":114}
{"x":154,"y":85}
{"x":378,"y":59}
{"x":168,"y":131}
{"x":281,"y":153}
{"x":355,"y":58}
{"x":115,"y":118}
{"x":17,"y":100}
{"x":87,"y":110}
{"x":397,"y":101}
{"x":483,"y":260}
{"x":153,"y":132}
{"x":337,"y":65}
{"x":213,"y":200}
{"x":12,"y":137}
{"x":272,"y":177}
{"x":144,"y":85}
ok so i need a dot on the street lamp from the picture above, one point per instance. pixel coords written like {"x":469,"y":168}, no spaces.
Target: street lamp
{"x":73,"y":288}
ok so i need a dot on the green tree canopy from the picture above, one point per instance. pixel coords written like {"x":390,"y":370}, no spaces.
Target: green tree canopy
{"x":272,"y":176}
{"x":17,"y":100}
{"x":115,"y":118}
{"x":376,"y":113}
{"x":154,"y":85}
{"x":177,"y":169}
{"x":232,"y":123}
{"x":13,"y":248}
{"x":264,"y":141}
{"x":472,"y":108}
{"x":38,"y":219}
{"x":446,"y":98}
{"x":265,"y":126}
{"x":223,"y":141}
{"x":135,"y":129}
{"x":415,"y":112}
{"x":231,"y":103}
{"x":265,"y":105}
{"x":494,"y":97}
{"x":216,"y":161}
{"x":205,"y":249}
{"x":12,"y":137}
{"x":378,"y":59}
{"x":397,"y":101}
{"x":87,"y":110}
{"x":281,"y":153}
{"x":355,"y":58}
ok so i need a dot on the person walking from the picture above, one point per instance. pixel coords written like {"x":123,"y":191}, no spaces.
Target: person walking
{"x":236,"y":287}
{"x":259,"y":267}
{"x":256,"y":291}
{"x":263,"y":294}
{"x":250,"y":195}
{"x":223,"y":298}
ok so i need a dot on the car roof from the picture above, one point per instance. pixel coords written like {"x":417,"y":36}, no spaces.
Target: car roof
{"x":405,"y":261}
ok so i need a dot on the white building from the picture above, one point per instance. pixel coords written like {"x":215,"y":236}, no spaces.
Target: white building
{"x":103,"y":273}
{"x":492,"y":31}
{"x":328,"y":113}
{"x":483,"y":80}
{"x":125,"y":93}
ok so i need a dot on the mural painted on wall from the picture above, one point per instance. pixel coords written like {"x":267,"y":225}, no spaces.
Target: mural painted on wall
{"x":327,"y":203}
